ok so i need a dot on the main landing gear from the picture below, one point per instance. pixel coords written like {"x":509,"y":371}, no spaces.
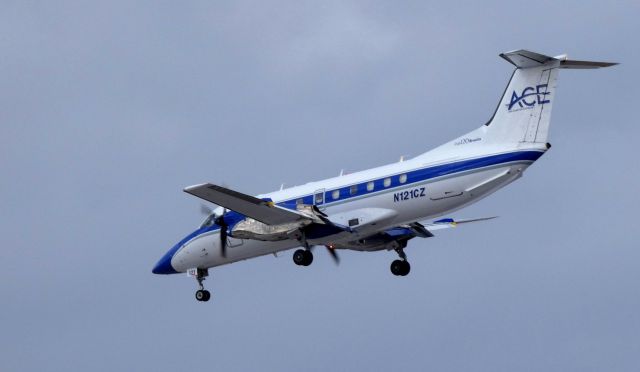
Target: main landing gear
{"x":303,"y":257}
{"x":400,"y":267}
{"x":202,"y":294}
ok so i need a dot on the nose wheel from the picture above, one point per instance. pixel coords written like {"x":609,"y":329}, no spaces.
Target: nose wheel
{"x":202,"y":294}
{"x":400,"y":267}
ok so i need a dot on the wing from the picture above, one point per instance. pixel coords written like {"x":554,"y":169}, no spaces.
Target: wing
{"x":416,"y":229}
{"x":447,"y":223}
{"x":261,"y":210}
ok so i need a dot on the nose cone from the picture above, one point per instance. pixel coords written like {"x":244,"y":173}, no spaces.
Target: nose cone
{"x":164,"y":265}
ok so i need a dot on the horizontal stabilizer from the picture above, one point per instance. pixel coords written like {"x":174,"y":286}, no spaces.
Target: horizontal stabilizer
{"x":260,"y":210}
{"x":568,"y":63}
{"x":525,"y":59}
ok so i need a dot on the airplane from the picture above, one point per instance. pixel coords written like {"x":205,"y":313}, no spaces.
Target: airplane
{"x":381,"y":208}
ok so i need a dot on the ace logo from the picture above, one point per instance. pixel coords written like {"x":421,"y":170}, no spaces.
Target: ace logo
{"x":529,"y":97}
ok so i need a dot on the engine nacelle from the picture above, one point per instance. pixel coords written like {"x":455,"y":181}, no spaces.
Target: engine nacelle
{"x":252,"y":229}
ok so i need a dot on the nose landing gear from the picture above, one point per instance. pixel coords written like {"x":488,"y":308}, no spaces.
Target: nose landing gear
{"x":202,"y":294}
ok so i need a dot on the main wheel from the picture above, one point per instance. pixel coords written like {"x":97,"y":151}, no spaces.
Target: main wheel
{"x":308,"y":258}
{"x":397,"y":267}
{"x":405,"y":268}
{"x":302,"y":257}
{"x":207,"y":295}
{"x":201,"y":295}
{"x":299,"y":257}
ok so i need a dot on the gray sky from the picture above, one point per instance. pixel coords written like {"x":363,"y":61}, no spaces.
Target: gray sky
{"x":108,"y":110}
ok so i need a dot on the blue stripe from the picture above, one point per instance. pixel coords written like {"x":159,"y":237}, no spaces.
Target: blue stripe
{"x":416,"y":176}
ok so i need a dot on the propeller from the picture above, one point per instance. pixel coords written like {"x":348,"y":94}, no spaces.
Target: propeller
{"x":219,"y":220}
{"x":333,"y":254}
{"x":323,"y":216}
{"x":223,"y":232}
{"x":205,"y":209}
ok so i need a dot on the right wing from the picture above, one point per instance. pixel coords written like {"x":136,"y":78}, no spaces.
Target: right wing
{"x":446,"y":223}
{"x":416,"y":229}
{"x":260,"y":210}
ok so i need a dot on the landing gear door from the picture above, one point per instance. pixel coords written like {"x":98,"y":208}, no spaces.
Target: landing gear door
{"x":319,"y":198}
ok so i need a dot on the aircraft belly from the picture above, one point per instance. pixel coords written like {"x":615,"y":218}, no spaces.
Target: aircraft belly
{"x":251,"y":249}
{"x":204,"y":251}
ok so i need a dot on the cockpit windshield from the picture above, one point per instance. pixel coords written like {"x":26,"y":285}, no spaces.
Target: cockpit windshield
{"x":209,"y":221}
{"x":211,"y":216}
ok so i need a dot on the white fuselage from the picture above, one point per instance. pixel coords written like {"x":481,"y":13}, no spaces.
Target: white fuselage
{"x":428,"y":186}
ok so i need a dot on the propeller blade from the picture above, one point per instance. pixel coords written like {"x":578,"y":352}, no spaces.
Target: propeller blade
{"x":205,"y":209}
{"x":223,"y":233}
{"x":334,"y":255}
{"x":223,"y":241}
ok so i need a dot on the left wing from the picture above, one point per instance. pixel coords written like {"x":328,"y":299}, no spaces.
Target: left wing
{"x":264,"y":211}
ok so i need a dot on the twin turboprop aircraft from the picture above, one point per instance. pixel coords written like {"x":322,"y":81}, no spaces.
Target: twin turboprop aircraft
{"x":380,"y":208}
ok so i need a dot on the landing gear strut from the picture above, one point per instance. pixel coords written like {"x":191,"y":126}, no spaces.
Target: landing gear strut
{"x":202,"y":294}
{"x":400,"y":267}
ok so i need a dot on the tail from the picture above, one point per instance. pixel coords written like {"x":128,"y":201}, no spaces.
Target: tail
{"x":524,"y":112}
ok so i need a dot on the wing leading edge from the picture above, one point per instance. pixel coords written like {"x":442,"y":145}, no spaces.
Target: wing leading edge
{"x":260,"y":210}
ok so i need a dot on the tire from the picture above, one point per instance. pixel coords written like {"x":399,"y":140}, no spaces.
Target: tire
{"x":207,"y":295}
{"x":397,"y":267}
{"x":299,"y":257}
{"x":308,"y":258}
{"x":406,"y":267}
{"x":200,"y":295}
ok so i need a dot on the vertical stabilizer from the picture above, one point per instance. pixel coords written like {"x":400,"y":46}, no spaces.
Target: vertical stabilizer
{"x":524,"y":112}
{"x":525,"y":109}
{"x":522,"y":117}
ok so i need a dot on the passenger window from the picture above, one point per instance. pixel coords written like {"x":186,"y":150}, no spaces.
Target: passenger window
{"x":402,"y":178}
{"x":319,"y":198}
{"x":335,"y":194}
{"x":387,"y":182}
{"x":353,"y":190}
{"x":370,"y":186}
{"x":300,"y":201}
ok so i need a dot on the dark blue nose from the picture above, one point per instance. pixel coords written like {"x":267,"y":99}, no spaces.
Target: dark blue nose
{"x":164,"y":265}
